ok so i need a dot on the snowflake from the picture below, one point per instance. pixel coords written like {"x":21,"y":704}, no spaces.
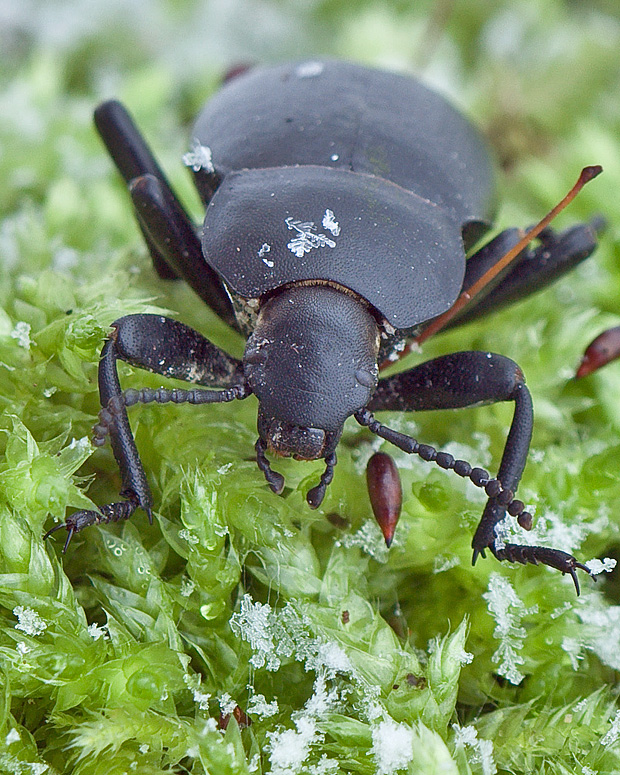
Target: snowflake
{"x":482,"y":750}
{"x":29,"y":621}
{"x":507,"y":608}
{"x":307,"y":238}
{"x":392,"y":746}
{"x":258,"y":706}
{"x":199,"y":158}
{"x":330,"y":223}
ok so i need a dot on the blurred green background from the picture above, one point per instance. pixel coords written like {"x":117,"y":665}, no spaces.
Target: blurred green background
{"x":121,"y":655}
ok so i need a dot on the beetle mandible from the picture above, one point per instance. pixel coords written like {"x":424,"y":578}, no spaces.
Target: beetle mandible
{"x":341,"y":202}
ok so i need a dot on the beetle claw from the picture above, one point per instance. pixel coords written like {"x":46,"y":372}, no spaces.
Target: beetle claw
{"x":59,"y":526}
{"x":477,"y":553}
{"x":75,"y":522}
{"x":573,"y":574}
{"x":111,"y":512}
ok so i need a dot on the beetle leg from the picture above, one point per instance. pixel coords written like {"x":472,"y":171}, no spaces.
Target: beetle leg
{"x":167,"y":229}
{"x":534,"y":269}
{"x":163,"y":346}
{"x":456,"y":381}
{"x":536,"y":555}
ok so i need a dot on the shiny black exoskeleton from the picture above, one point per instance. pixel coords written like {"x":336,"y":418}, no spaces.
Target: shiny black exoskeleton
{"x":340,"y":204}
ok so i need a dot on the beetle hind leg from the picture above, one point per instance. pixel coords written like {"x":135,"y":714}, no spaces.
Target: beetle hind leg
{"x":535,"y":268}
{"x":166,"y":227}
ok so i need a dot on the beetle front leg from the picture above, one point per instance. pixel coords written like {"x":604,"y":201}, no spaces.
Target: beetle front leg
{"x":162,"y":346}
{"x":456,"y":381}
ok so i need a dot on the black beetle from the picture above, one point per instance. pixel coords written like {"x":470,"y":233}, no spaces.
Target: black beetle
{"x":340,"y":204}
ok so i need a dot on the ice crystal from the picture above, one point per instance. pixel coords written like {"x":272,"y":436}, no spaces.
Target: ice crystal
{"x":289,"y":748}
{"x":602,"y":634}
{"x":96,"y":632}
{"x":331,"y":656}
{"x":21,"y":332}
{"x":508,"y":610}
{"x":200,"y":698}
{"x":199,"y":157}
{"x":189,"y":536}
{"x":187,"y":587}
{"x":606,"y":565}
{"x":262,"y":253}
{"x":29,"y":621}
{"x":392,"y":746}
{"x":254,"y":623}
{"x":322,"y":700}
{"x":325,"y":766}
{"x":482,"y":750}
{"x":307,"y":237}
{"x":572,"y":646}
{"x":369,"y":539}
{"x":613,"y":733}
{"x":442,"y":563}
{"x":330,"y":223}
{"x":258,"y":706}
{"x":227,"y":704}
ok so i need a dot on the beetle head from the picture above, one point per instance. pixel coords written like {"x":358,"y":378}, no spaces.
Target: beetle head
{"x":312,"y":362}
{"x":288,"y":440}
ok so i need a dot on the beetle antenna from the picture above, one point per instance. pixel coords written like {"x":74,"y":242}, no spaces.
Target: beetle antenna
{"x":587,"y":174}
{"x":274,"y":479}
{"x":480,"y":477}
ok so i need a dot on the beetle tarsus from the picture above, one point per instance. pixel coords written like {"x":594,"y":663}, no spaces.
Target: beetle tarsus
{"x":542,"y":555}
{"x":111,"y":512}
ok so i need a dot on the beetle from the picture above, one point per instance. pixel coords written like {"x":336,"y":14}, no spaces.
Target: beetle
{"x":341,"y":203}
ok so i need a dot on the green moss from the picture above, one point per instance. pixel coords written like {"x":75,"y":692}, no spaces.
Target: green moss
{"x":120,"y":655}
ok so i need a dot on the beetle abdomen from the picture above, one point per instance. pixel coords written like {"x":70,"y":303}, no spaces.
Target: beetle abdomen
{"x":349,"y":117}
